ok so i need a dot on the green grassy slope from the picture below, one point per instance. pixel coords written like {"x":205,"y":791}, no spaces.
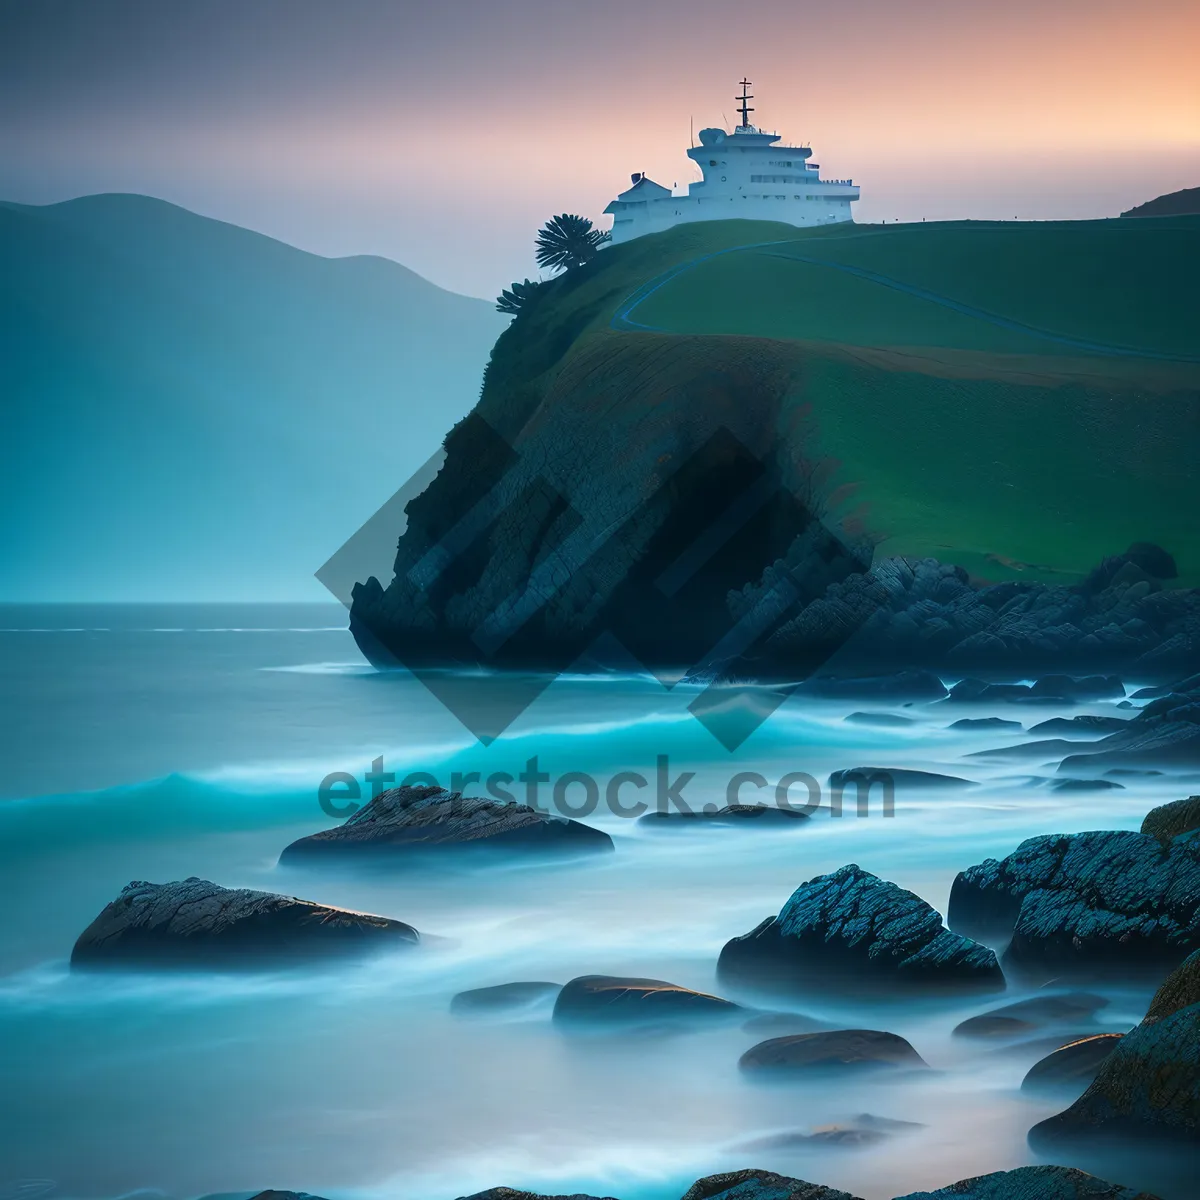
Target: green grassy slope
{"x":1019,"y":398}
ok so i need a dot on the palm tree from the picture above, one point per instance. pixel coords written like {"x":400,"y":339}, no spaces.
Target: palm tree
{"x":567,"y":242}
{"x":513,"y":299}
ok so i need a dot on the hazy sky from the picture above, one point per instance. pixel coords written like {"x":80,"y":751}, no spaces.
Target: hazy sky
{"x":442,"y":133}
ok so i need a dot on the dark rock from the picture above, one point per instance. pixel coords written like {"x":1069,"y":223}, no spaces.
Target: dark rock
{"x":904,"y":685}
{"x":1047,"y":749}
{"x":616,"y":1000}
{"x":754,"y":1184}
{"x":1165,"y":732}
{"x":1130,"y":773}
{"x":900,"y":777}
{"x":1148,"y":1088}
{"x":1093,"y":687}
{"x":741,"y":815}
{"x":194,"y":922}
{"x":1087,"y":785}
{"x":407,"y":821}
{"x":981,"y":723}
{"x":1151,"y":693}
{"x":832,"y":1050}
{"x":503,"y":997}
{"x":1168,"y":821}
{"x":1082,"y":726}
{"x":1025,"y":1015}
{"x":1033,"y":1183}
{"x":1074,"y":1065}
{"x":863,"y":1130}
{"x":507,"y":1193}
{"x":1085,"y":905}
{"x":272,"y":1194}
{"x":880,"y":720}
{"x":850,"y":930}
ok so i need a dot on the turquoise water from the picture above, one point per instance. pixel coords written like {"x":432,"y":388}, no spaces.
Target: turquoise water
{"x":155,"y":743}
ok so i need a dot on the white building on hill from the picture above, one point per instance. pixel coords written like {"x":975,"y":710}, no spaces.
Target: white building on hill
{"x":746,"y":174}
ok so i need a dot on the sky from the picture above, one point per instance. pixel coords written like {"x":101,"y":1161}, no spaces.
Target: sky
{"x":443,"y":134}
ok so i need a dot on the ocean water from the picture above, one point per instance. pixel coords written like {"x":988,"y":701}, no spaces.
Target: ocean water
{"x":152,"y":742}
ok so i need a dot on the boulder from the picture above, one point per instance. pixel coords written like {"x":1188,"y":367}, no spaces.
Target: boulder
{"x":759,"y":1185}
{"x":1165,"y":733}
{"x":742,"y":815}
{"x":1148,"y":1088}
{"x":407,"y":821}
{"x":507,"y":1193}
{"x":979,"y":724}
{"x":617,"y":1000}
{"x":195,"y":922}
{"x":1093,"y":687}
{"x":1074,"y":1065}
{"x":503,"y":997}
{"x":1037,"y":1012}
{"x":1081,"y":726}
{"x":832,"y":1050}
{"x":1033,"y":1183}
{"x":851,"y":931}
{"x":880,"y":720}
{"x":1087,"y":785}
{"x":863,"y":778}
{"x":1085,"y":905}
{"x":1168,"y":821}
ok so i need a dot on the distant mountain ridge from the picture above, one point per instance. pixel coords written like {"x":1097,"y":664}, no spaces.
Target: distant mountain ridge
{"x":196,"y":411}
{"x":1183,"y":203}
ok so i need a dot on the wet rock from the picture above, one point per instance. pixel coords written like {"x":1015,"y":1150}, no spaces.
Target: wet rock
{"x":272,"y":1194}
{"x":863,"y":1130}
{"x":880,"y":720}
{"x":503,"y":997}
{"x":760,"y":1185}
{"x":1168,"y":821}
{"x":864,"y":778}
{"x":1093,"y":687}
{"x":741,"y":815}
{"x":1165,"y":733}
{"x":507,"y":1193}
{"x":195,"y":922}
{"x":904,"y":685}
{"x":1045,"y":750}
{"x":618,"y":1000}
{"x":408,"y":821}
{"x":979,"y":691}
{"x":984,"y":723}
{"x":1148,"y":1089}
{"x":835,"y":1050}
{"x":1081,"y":726}
{"x":1033,"y":1183}
{"x":1035,"y":1013}
{"x":1104,"y":904}
{"x":852,"y":931}
{"x":1074,"y":1065}
{"x":1087,"y":785}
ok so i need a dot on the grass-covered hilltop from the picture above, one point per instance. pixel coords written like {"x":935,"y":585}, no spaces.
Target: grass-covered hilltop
{"x":1019,"y":401}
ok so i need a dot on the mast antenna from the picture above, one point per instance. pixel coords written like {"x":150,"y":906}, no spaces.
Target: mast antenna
{"x":744,"y":108}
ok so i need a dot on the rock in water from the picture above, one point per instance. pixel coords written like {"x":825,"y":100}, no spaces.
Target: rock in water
{"x":617,"y":1000}
{"x":503,"y":997}
{"x":1033,"y":1183}
{"x":1085,"y":905}
{"x":834,"y":1050}
{"x":863,"y":779}
{"x":1168,"y":821}
{"x":1148,"y":1088}
{"x":408,"y":821}
{"x":760,"y":1185}
{"x":904,"y":685}
{"x":1012,"y":1020}
{"x":507,"y":1193}
{"x":1074,"y":1065}
{"x":743,"y":816}
{"x":196,"y":922}
{"x":850,"y":931}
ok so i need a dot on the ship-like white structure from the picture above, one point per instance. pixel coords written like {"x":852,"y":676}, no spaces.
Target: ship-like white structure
{"x":746,"y":174}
